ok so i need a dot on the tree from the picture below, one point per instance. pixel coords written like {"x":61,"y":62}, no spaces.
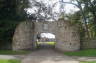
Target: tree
{"x":79,"y":5}
{"x":21,"y":5}
{"x":90,"y":13}
{"x":11,"y":13}
{"x":10,"y":9}
{"x":7,"y":9}
{"x":41,"y":11}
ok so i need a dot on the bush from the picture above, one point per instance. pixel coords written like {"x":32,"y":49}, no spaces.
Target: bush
{"x":7,"y":28}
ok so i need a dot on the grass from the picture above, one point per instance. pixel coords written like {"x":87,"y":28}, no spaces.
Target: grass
{"x":10,"y":52}
{"x":89,"y":52}
{"x":9,"y":61}
{"x":88,"y":62}
{"x":49,"y":43}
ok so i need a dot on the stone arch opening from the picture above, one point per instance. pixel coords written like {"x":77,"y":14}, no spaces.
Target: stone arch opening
{"x":46,"y":40}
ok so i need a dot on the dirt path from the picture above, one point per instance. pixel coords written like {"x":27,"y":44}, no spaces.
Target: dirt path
{"x":48,"y":56}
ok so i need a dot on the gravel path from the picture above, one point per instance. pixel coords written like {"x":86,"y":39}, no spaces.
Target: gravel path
{"x":18,"y":57}
{"x":48,"y":56}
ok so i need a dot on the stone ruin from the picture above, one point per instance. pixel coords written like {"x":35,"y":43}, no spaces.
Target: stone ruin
{"x":67,"y":35}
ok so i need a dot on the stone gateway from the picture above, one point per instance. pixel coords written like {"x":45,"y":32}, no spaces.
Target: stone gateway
{"x":67,"y":35}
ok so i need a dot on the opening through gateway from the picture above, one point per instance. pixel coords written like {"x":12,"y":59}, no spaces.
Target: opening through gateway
{"x":46,"y":40}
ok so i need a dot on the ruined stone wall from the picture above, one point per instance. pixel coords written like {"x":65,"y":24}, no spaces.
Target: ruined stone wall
{"x":23,"y":36}
{"x":88,"y":44}
{"x":39,"y":27}
{"x":67,"y":36}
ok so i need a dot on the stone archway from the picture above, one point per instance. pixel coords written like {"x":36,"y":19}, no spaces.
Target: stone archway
{"x":67,"y":36}
{"x":46,"y":41}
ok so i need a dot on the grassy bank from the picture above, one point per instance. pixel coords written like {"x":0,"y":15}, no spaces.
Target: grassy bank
{"x":9,"y":61}
{"x":88,"y":52}
{"x":88,"y":62}
{"x":49,"y":43}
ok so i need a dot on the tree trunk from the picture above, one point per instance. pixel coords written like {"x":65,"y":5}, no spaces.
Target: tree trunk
{"x":85,"y":21}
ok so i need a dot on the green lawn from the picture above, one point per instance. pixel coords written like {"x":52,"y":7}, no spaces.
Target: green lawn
{"x":88,"y":62}
{"x":9,"y":61}
{"x":49,"y":43}
{"x":10,"y":52}
{"x":89,"y":52}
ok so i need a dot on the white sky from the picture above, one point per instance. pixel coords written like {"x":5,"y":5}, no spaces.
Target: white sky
{"x":47,"y":35}
{"x":69,"y":8}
